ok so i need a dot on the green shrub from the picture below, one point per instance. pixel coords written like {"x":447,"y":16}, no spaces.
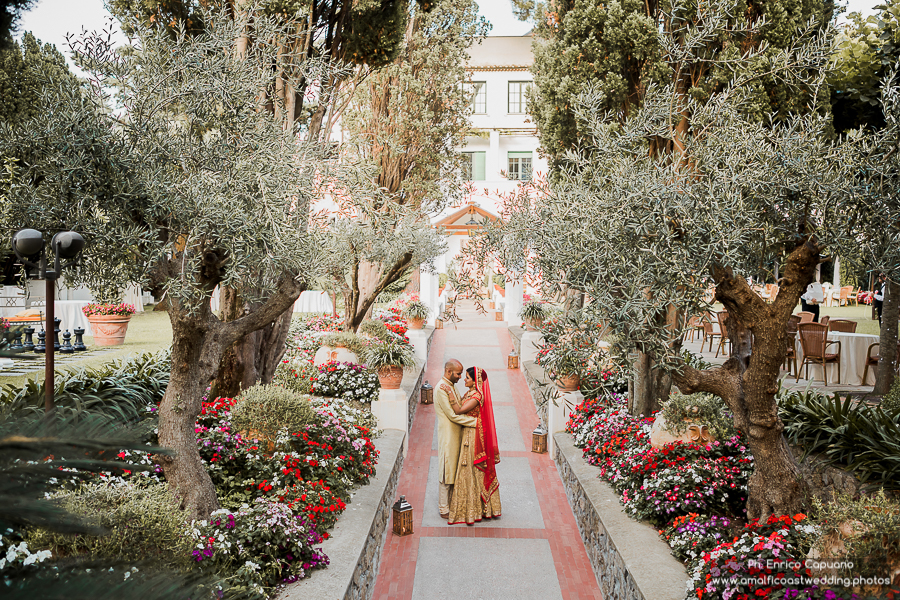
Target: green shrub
{"x":266,"y":409}
{"x":707,"y":409}
{"x":891,"y":402}
{"x":143,"y":522}
{"x":416,"y":310}
{"x":442,"y":280}
{"x":384,"y":354}
{"x":139,"y":381}
{"x":859,"y":437}
{"x":375,"y":329}
{"x":350,"y":341}
{"x":296,"y":376}
{"x":876,"y":522}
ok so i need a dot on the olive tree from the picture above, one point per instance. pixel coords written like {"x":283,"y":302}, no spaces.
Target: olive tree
{"x":190,"y":182}
{"x":644,"y":232}
{"x":388,"y":243}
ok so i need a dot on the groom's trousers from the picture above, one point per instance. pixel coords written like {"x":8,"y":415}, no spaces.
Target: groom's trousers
{"x":444,"y":497}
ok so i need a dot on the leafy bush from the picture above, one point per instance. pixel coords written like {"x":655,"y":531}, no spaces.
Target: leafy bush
{"x":875,"y":519}
{"x":891,"y":402}
{"x":700,"y":408}
{"x":297,"y":376}
{"x":266,"y":409}
{"x":231,"y":539}
{"x":859,"y":437}
{"x":350,"y":341}
{"x":691,"y":535}
{"x":143,"y":523}
{"x":348,"y":381}
{"x":138,"y":381}
{"x":375,"y":329}
{"x":384,"y":354}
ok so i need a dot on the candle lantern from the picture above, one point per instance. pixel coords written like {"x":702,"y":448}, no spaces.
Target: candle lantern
{"x":403,"y":517}
{"x":512,"y":361}
{"x":438,"y":323}
{"x":498,"y":315}
{"x":491,"y":304}
{"x":539,"y":439}
{"x":427,"y":394}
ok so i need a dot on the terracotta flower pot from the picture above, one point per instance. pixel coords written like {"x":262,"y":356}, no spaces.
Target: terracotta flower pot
{"x":390,"y":377}
{"x":534,"y":324}
{"x":416,"y":323}
{"x":568,"y":383}
{"x":109,"y":330}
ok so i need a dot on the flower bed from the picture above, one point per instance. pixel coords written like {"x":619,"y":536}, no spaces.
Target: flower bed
{"x":278,"y":501}
{"x":695,"y":495}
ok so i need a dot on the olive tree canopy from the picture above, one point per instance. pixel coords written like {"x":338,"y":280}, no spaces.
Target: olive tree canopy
{"x":189,"y":183}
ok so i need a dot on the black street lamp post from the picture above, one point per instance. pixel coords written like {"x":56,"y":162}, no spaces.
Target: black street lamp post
{"x":28,"y":244}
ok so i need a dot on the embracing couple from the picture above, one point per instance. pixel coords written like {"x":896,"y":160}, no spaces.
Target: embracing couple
{"x":467,"y":447}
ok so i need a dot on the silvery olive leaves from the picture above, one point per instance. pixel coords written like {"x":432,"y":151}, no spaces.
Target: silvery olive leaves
{"x":649,"y":205}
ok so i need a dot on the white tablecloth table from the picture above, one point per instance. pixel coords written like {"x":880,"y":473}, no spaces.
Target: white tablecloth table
{"x":70,"y":315}
{"x":314,"y":302}
{"x":854,"y":347}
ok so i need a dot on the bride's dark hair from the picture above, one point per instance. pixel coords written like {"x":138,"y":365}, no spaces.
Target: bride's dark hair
{"x":471,"y":372}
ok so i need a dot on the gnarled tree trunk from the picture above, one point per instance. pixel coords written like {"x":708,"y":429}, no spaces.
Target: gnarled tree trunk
{"x":253,"y":358}
{"x":199,"y":342}
{"x":748,"y":381}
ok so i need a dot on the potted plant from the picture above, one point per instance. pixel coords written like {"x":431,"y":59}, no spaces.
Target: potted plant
{"x":339,"y":347}
{"x":533,"y":313}
{"x":109,"y":322}
{"x":566,"y":360}
{"x":389,"y":359}
{"x":415,"y":313}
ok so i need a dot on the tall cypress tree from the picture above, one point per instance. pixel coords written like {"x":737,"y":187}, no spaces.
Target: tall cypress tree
{"x":615,"y":50}
{"x":24,"y":70}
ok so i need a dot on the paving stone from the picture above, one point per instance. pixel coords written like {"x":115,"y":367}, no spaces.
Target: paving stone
{"x":485,"y":569}
{"x":521,"y":508}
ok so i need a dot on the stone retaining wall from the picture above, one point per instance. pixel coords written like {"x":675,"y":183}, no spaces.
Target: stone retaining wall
{"x":629,"y":558}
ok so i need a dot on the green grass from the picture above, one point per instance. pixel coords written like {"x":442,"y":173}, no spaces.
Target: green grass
{"x":147,"y":332}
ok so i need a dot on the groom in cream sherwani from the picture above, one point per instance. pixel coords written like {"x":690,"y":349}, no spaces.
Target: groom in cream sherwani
{"x":449,"y":432}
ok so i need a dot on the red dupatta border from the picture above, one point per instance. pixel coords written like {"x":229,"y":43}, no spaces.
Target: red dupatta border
{"x":487,"y":451}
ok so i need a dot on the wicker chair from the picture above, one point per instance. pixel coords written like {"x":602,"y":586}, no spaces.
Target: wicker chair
{"x":806,"y":316}
{"x":813,"y":338}
{"x":790,"y":340}
{"x":845,"y":295}
{"x":723,"y":338}
{"x":872,"y":361}
{"x":842,"y":325}
{"x":824,"y":320}
{"x":709,"y":332}
{"x":694,"y":328}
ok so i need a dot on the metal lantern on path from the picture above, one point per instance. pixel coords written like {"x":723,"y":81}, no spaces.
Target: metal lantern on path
{"x":403,"y":517}
{"x":427,"y":394}
{"x":498,"y":315}
{"x":512,"y":361}
{"x":539,"y":439}
{"x":438,"y":323}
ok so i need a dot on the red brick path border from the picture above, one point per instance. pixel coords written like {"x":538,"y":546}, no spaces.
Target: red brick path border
{"x":396,"y":574}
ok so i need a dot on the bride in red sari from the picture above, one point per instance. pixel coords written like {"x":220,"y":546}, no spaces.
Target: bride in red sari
{"x":476,"y":493}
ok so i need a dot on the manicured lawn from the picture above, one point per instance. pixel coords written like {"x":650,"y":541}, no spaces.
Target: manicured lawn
{"x":147,"y":332}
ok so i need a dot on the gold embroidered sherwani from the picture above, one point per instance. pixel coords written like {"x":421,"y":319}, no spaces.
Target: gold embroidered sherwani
{"x":449,"y":430}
